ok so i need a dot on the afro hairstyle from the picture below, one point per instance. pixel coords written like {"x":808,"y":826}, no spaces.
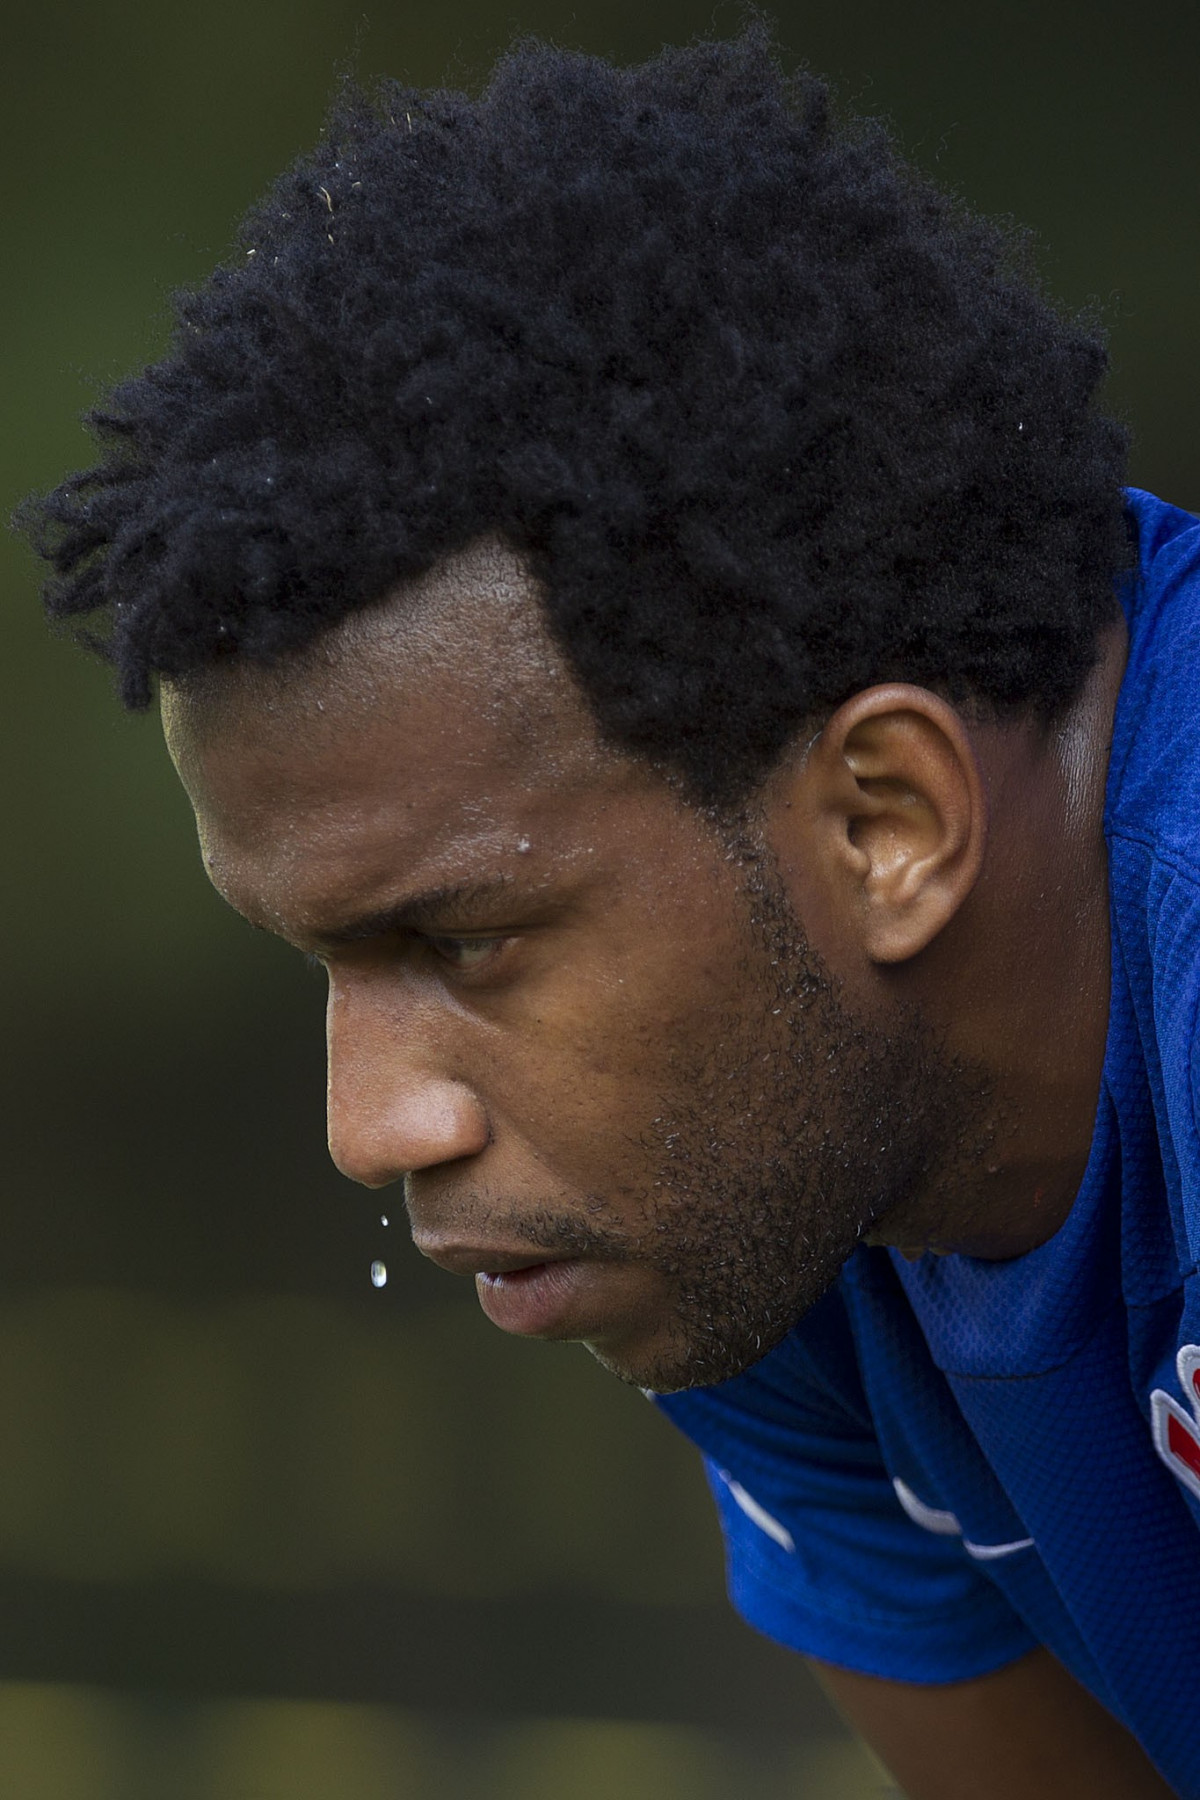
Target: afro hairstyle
{"x":769,"y":417}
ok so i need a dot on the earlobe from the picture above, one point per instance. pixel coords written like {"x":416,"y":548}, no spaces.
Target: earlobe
{"x":905,"y":797}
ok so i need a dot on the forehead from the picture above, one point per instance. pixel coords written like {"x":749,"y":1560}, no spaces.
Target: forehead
{"x":472,"y":629}
{"x":429,"y":731}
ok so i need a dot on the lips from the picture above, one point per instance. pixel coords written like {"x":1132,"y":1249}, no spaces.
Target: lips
{"x":532,"y":1296}
{"x":561,"y":1296}
{"x":478,"y":1259}
{"x":546,"y":1299}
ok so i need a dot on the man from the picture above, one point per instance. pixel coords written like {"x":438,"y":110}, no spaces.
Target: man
{"x":641,"y":593}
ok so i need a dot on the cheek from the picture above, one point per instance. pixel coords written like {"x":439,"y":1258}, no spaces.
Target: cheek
{"x":583,"y":1080}
{"x":618,"y":1018}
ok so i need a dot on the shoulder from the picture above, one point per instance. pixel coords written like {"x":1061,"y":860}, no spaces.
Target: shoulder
{"x":1154,"y":775}
{"x":1152,"y":806}
{"x":1152,"y":822}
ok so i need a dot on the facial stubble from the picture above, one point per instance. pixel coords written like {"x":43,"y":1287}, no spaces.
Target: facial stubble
{"x":802,"y":1127}
{"x":775,"y":1146}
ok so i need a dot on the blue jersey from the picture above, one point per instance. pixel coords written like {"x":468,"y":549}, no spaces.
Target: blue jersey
{"x":949,"y":1461}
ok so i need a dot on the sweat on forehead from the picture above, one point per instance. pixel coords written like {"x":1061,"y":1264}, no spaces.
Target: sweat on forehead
{"x":473,"y":626}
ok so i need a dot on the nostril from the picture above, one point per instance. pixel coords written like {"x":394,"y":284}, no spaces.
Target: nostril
{"x":363,"y":1154}
{"x":354,"y":1167}
{"x":440,"y":1122}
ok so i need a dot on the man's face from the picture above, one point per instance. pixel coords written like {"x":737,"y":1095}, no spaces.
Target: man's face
{"x":576,"y":1017}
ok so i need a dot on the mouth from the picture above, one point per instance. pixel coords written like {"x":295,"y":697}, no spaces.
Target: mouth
{"x":480,"y":1259}
{"x":560,"y":1296}
{"x":530,"y":1295}
{"x":575,"y":1294}
{"x":543,"y":1299}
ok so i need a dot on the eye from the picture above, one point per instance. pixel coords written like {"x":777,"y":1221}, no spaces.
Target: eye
{"x":465,"y":954}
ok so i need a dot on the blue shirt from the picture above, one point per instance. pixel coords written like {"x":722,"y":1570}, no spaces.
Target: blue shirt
{"x":952,"y":1460}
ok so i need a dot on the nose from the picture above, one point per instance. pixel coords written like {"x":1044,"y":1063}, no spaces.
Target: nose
{"x":391,"y":1110}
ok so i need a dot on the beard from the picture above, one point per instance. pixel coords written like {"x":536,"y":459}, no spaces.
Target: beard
{"x":803,"y":1126}
{"x":776,"y":1144}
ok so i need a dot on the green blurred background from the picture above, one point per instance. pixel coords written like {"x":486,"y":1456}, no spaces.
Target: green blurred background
{"x":265,"y":1530}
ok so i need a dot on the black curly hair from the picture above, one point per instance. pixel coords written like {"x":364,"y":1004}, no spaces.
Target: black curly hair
{"x":769,"y":416}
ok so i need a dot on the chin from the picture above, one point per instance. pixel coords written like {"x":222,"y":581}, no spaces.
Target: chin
{"x":654,"y":1367}
{"x":670,"y":1364}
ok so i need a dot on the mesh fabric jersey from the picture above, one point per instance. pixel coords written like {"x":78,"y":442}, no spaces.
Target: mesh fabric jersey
{"x":952,"y":1460}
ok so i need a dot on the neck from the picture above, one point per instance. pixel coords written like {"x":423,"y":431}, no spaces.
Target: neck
{"x":1019,"y":982}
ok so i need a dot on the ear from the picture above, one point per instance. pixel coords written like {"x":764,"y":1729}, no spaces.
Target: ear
{"x":897,"y":802}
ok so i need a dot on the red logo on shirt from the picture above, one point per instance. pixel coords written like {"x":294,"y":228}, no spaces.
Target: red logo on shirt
{"x":1177,"y":1432}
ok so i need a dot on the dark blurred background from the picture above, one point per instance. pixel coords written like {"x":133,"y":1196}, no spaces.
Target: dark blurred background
{"x":265,"y":1529}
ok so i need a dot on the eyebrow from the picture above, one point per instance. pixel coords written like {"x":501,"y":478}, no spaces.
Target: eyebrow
{"x":417,"y":912}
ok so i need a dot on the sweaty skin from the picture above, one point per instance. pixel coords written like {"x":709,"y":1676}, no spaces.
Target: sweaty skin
{"x":648,"y":1075}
